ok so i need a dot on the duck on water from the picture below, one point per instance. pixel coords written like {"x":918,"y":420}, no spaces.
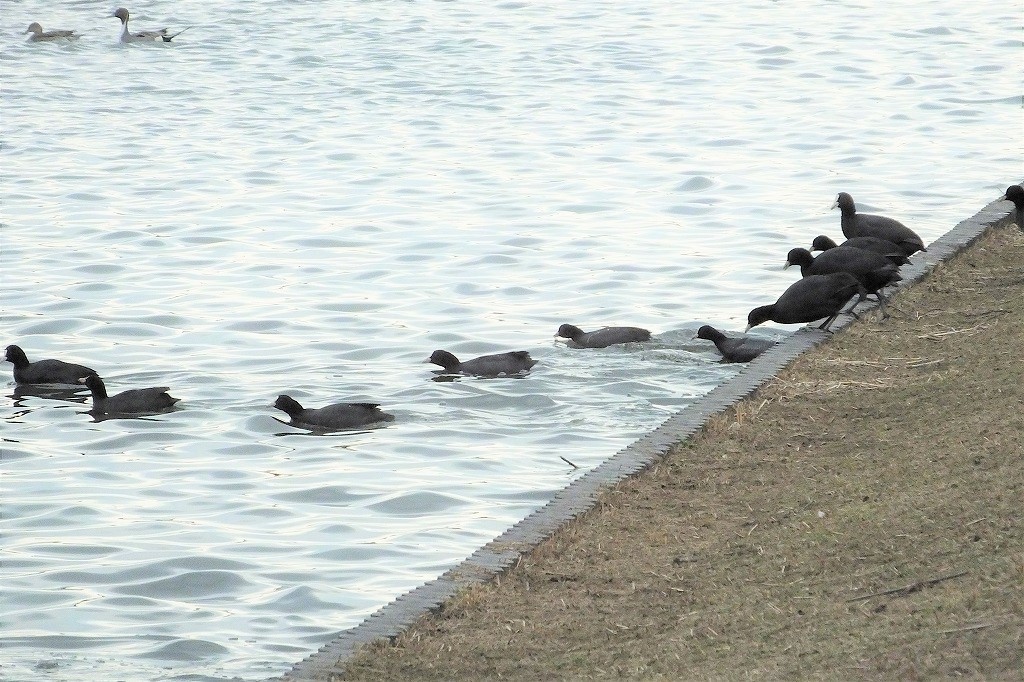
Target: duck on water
{"x":143,"y":36}
{"x":39,"y":35}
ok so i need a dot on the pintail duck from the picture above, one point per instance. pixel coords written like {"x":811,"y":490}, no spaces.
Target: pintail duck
{"x":39,"y":35}
{"x":143,"y":36}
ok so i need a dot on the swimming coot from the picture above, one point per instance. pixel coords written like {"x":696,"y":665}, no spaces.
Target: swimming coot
{"x":1015,"y":193}
{"x":866,"y":225}
{"x":809,"y":299}
{"x":882,"y":247}
{"x":44,"y":371}
{"x":872,"y":270}
{"x":734,"y":350}
{"x":513,"y":362}
{"x":602,"y":338}
{"x":337,"y":416}
{"x":132,"y":401}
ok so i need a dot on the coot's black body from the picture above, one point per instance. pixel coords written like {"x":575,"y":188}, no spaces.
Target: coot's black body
{"x":602,"y":338}
{"x":332,"y":417}
{"x":44,"y":371}
{"x":513,"y":362}
{"x":812,"y":298}
{"x":882,"y":247}
{"x":867,"y":225}
{"x":1015,"y":193}
{"x":734,"y":350}
{"x":873,"y":271}
{"x":132,"y":401}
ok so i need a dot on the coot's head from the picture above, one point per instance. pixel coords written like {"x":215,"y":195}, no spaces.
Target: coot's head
{"x":801,"y":257}
{"x":822,"y":243}
{"x":14,"y":354}
{"x":845,"y":203}
{"x":95,"y":384}
{"x":708,"y":333}
{"x":758,"y":316}
{"x":1015,"y":193}
{"x":286,"y":403}
{"x":444,"y":359}
{"x":569,"y":331}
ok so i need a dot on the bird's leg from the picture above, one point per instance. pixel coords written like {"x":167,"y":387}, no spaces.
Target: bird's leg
{"x":824,"y":326}
{"x":885,"y":313}
{"x":861,"y":297}
{"x":881,"y":304}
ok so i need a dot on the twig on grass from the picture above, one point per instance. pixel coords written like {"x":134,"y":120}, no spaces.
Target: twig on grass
{"x":911,"y":588}
{"x":923,"y":363}
{"x":860,"y":363}
{"x":967,"y":628}
{"x":980,"y":313}
{"x":967,"y":330}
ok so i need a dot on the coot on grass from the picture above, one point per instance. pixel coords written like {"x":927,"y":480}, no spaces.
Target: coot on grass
{"x":873,"y":271}
{"x":809,"y":299}
{"x":867,"y":225}
{"x":882,"y":247}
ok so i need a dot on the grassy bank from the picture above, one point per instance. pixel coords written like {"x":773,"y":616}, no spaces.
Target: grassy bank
{"x":859,"y":517}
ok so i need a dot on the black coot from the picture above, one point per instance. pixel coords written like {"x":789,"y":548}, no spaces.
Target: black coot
{"x":513,"y":362}
{"x":602,"y":338}
{"x":866,"y":225}
{"x":1015,"y":193}
{"x":333,"y":417}
{"x":873,"y":271}
{"x":44,"y":371}
{"x":734,"y":350}
{"x":809,"y":299}
{"x":882,"y":247}
{"x":132,"y":401}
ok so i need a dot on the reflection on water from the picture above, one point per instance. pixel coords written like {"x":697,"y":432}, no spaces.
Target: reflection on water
{"x":309,"y":201}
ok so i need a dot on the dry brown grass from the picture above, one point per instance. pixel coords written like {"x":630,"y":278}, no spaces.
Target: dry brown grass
{"x":858,"y":518}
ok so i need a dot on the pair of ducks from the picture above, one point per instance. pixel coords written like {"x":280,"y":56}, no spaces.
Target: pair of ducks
{"x":39,"y":35}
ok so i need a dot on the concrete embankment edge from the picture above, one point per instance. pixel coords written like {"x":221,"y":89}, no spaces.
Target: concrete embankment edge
{"x":579,"y":496}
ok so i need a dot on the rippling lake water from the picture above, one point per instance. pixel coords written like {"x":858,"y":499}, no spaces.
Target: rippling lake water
{"x":310,"y":197}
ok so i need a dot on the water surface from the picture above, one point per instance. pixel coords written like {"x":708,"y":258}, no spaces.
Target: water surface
{"x":311,"y":197}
